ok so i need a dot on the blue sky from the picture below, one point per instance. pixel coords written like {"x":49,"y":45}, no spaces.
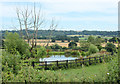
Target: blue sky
{"x":75,"y":15}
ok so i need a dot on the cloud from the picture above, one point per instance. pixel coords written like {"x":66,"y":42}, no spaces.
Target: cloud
{"x":101,"y":10}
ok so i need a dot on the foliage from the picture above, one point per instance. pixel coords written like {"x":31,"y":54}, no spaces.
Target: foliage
{"x":56,"y":53}
{"x":110,"y":47}
{"x":72,"y":44}
{"x":45,"y":33}
{"x":83,"y":53}
{"x":56,"y":46}
{"x":114,"y":39}
{"x":93,"y":49}
{"x":91,"y":39}
{"x":14,"y":44}
{"x":84,"y":45}
{"x":53,"y":40}
{"x":75,"y":53}
{"x":113,"y":70}
{"x":99,"y":47}
{"x":76,"y":39}
{"x":12,"y":61}
{"x":41,"y":52}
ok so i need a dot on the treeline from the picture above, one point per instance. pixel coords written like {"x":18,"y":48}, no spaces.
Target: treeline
{"x":44,"y":34}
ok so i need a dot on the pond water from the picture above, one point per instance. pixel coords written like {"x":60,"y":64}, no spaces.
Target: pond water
{"x":57,"y":57}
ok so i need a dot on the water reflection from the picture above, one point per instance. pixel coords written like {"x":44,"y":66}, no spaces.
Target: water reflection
{"x":57,"y":57}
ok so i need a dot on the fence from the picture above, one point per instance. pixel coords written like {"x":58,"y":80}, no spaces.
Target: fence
{"x":67,"y":63}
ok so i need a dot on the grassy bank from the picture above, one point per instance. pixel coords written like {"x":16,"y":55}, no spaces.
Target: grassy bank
{"x":56,"y":53}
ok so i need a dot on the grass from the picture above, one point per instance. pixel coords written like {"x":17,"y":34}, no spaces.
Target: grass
{"x":93,"y":73}
{"x":89,"y":73}
{"x":56,"y":53}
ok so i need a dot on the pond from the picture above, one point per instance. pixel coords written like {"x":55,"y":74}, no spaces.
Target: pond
{"x":57,"y":57}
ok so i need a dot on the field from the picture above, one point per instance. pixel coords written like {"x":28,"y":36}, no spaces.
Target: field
{"x":43,"y":42}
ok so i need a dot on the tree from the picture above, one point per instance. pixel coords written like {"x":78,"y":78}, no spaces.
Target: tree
{"x":62,"y":41}
{"x":114,"y":39}
{"x":93,"y":49}
{"x":91,"y":39}
{"x":41,"y":52}
{"x":14,"y":44}
{"x":53,"y":40}
{"x":110,"y":47}
{"x":72,"y":44}
{"x":30,"y":19}
{"x":52,"y":27}
{"x":56,"y":46}
{"x":76,"y":39}
{"x":84,"y":45}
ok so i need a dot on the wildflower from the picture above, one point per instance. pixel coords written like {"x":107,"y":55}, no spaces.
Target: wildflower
{"x":107,"y":73}
{"x":95,"y":75}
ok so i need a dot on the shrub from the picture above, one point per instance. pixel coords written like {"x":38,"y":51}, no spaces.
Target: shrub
{"x":93,"y":49}
{"x":14,"y":44}
{"x":75,"y":53}
{"x":72,"y":44}
{"x":83,"y":53}
{"x":110,"y":47}
{"x":11,"y":60}
{"x":41,"y":52}
{"x":113,"y":70}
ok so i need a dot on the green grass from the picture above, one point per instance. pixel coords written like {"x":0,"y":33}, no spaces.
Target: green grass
{"x":89,"y":73}
{"x":93,"y":73}
{"x":56,"y":53}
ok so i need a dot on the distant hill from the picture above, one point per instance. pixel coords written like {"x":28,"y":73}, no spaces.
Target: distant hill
{"x":45,"y":33}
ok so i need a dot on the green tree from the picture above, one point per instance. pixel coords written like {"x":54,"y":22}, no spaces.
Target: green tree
{"x":91,"y":39}
{"x":41,"y":52}
{"x":53,"y":40}
{"x":72,"y":44}
{"x":84,"y":45}
{"x":56,"y":46}
{"x":76,"y":39}
{"x":93,"y":49}
{"x":110,"y":47}
{"x":14,"y":44}
{"x":10,"y":62}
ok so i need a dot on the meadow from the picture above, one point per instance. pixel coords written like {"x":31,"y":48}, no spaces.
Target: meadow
{"x":17,"y":51}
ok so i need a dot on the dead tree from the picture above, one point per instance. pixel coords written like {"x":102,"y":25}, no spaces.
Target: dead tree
{"x":53,"y":26}
{"x":38,"y":20}
{"x":20,"y":22}
{"x":24,"y":18}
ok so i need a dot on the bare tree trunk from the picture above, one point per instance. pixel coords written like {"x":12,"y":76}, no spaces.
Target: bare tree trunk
{"x":20,"y":22}
{"x":53,"y":26}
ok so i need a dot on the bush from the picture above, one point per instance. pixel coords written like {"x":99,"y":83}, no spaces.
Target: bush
{"x":10,"y":61}
{"x":41,"y":52}
{"x":53,"y":40}
{"x":83,"y":53}
{"x":14,"y":44}
{"x":110,"y":47}
{"x":72,"y":44}
{"x":113,"y":70}
{"x":93,"y":49}
{"x":75,"y":53}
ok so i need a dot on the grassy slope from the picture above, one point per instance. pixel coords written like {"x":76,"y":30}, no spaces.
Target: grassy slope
{"x":96,"y":72}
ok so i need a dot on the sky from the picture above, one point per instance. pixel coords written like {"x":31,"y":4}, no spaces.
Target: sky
{"x":77,"y":15}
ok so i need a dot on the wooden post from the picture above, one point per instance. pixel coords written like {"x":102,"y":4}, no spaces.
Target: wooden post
{"x":33,"y":64}
{"x":89,"y":61}
{"x":45,"y":65}
{"x":67,"y":63}
{"x":100,"y":60}
{"x":57,"y":63}
{"x":95,"y":60}
{"x":83,"y":60}
{"x":76,"y":62}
